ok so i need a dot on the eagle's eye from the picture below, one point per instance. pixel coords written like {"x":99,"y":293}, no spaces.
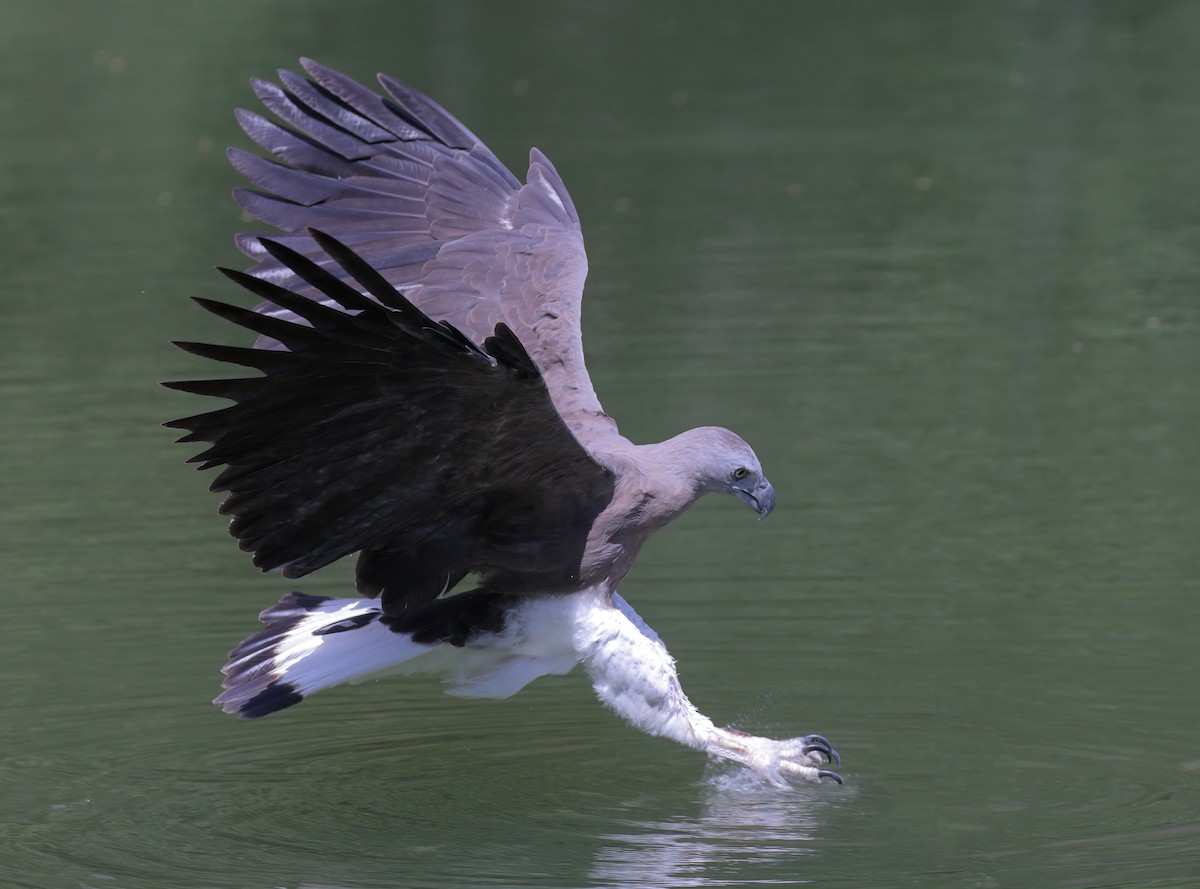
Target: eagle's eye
{"x":740,"y":473}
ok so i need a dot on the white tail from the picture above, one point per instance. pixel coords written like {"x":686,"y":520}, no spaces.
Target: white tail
{"x":314,"y":642}
{"x":310,"y":643}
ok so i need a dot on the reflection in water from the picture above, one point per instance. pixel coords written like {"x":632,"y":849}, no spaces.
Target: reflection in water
{"x":744,"y":824}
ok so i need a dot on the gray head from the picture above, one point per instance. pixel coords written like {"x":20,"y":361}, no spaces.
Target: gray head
{"x":720,"y":461}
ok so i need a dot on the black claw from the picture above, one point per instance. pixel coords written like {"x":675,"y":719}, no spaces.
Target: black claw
{"x":820,"y":744}
{"x":828,"y":752}
{"x":827,"y":774}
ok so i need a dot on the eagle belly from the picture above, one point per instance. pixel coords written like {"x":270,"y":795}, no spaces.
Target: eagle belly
{"x":311,"y":643}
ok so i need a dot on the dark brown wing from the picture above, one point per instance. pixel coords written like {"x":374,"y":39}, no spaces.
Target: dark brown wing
{"x":419,"y":197}
{"x":377,"y":429}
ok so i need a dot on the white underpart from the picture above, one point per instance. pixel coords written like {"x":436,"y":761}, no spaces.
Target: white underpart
{"x":631,"y":669}
{"x":537,"y":640}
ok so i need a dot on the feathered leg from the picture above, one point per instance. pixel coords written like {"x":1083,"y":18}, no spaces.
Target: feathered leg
{"x":635,"y":675}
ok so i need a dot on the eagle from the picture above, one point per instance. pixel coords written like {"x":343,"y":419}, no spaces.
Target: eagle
{"x":416,"y":394}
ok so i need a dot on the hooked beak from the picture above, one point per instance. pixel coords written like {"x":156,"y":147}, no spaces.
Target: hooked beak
{"x":761,"y":499}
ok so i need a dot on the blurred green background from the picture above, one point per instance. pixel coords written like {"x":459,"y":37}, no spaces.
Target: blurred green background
{"x":936,"y":261}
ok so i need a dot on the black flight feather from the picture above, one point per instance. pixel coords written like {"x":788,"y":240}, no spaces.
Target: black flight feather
{"x":377,"y":430}
{"x":323,"y":280}
{"x":361,"y":271}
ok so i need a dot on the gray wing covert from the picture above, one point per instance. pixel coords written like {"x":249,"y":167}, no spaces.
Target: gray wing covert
{"x":419,"y":197}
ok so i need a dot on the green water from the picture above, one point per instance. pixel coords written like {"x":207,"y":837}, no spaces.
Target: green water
{"x":937,"y":262}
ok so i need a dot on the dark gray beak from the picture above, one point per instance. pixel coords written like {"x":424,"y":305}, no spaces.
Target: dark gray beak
{"x":764,"y":497}
{"x":761,"y":499}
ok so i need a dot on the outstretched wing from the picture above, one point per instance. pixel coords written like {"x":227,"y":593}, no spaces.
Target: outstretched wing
{"x":421,"y":199}
{"x":376,"y":429}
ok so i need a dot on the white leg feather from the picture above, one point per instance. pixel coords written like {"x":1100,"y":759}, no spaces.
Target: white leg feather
{"x":635,"y":675}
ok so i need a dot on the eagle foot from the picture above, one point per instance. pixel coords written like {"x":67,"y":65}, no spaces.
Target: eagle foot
{"x":802,"y":757}
{"x":777,"y":761}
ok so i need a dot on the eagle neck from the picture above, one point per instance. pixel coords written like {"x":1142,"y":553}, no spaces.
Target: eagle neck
{"x":677,"y":468}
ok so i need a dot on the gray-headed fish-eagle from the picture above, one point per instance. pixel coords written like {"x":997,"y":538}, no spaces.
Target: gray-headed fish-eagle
{"x":418,"y":396}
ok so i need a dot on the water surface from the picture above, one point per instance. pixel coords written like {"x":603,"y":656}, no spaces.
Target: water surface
{"x":937,"y":262}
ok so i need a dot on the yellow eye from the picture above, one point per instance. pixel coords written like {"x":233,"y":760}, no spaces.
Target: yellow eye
{"x":740,"y":473}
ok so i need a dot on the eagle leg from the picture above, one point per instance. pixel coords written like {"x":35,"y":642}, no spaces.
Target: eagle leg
{"x":635,"y":675}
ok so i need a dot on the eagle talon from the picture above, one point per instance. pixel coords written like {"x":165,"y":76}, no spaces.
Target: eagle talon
{"x":820,"y":744}
{"x":793,"y":768}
